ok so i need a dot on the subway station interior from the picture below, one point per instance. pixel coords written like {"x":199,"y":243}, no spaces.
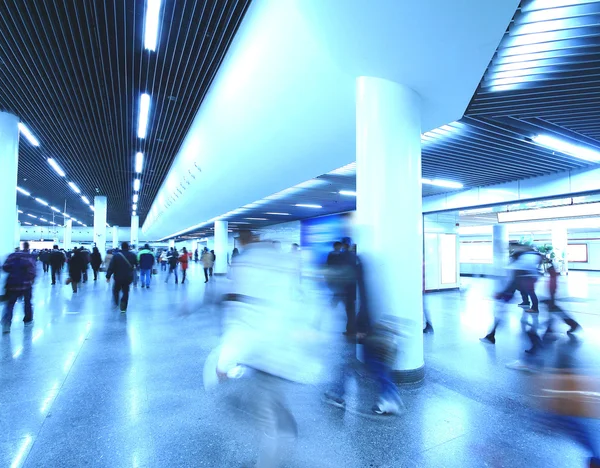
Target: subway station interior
{"x":300,"y":233}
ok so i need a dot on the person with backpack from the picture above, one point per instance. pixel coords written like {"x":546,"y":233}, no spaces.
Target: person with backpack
{"x":122,"y":267}
{"x":20,"y":267}
{"x":172,"y":260}
{"x":57,"y":261}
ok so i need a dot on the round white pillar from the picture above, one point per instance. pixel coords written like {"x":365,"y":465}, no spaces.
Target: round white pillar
{"x":171,"y":243}
{"x":500,"y":248}
{"x":67,"y":234}
{"x":100,"y":223}
{"x":9,"y":162}
{"x":560,"y":240}
{"x":135,"y":228}
{"x":115,"y":237}
{"x":221,"y":246}
{"x":389,"y":213}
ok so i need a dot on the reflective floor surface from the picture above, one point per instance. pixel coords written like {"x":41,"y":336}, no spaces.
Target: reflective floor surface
{"x":88,"y":386}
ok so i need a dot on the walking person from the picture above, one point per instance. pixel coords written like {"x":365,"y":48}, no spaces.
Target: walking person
{"x":95,"y":261}
{"x":77,"y":264}
{"x":57,"y":262}
{"x":207,"y":263}
{"x":183,"y":261}
{"x":146,"y":262}
{"x":340,"y":271}
{"x":85,"y":253}
{"x":20,"y":267}
{"x":172,"y":260}
{"x":122,"y":267}
{"x":45,"y":259}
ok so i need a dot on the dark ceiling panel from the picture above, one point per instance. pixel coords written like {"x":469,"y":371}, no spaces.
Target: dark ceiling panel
{"x":73,"y":72}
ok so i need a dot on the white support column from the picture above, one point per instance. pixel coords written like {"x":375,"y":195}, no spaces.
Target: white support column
{"x":500,"y":248}
{"x":67,"y":237}
{"x":115,"y":237}
{"x":560,"y":240}
{"x":172,"y":243}
{"x":17,"y":241}
{"x":221,"y":247}
{"x":9,"y":161}
{"x":135,"y":228}
{"x":100,"y":223}
{"x":388,"y":176}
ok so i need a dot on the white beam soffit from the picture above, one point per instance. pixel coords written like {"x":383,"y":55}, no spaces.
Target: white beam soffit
{"x":74,"y":71}
{"x":258,"y":131}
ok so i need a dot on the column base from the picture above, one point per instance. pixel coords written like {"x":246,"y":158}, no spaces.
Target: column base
{"x":408,"y":376}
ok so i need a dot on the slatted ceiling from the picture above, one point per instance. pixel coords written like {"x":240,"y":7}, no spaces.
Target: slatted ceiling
{"x":73,"y":72}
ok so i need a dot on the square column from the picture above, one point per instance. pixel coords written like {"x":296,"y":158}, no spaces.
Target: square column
{"x":135,"y":228}
{"x":221,"y":247}
{"x":9,"y":161}
{"x":67,"y":235}
{"x":100,"y":224}
{"x":389,"y":212}
{"x":115,"y":237}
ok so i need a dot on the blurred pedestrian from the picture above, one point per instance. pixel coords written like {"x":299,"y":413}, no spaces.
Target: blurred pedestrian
{"x":262,"y":334}
{"x":554,"y":310}
{"x":340,"y":275}
{"x":77,"y":265}
{"x":122,"y":267}
{"x":183,"y":261}
{"x":20,"y":267}
{"x":173,"y":260}
{"x":45,"y":259}
{"x":57,"y":262}
{"x":208,"y":263}
{"x":95,"y":261}
{"x":146,"y":262}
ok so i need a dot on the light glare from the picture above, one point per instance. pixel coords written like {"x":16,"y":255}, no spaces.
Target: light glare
{"x":139,"y":162}
{"x":152,"y":20}
{"x":40,"y":201}
{"x":23,"y":191}
{"x":143,"y":116}
{"x":136,"y":197}
{"x":136,"y":185}
{"x":56,"y":167}
{"x":74,"y":187}
{"x":25,"y":131}
{"x":567,"y":148}
{"x":442,"y":183}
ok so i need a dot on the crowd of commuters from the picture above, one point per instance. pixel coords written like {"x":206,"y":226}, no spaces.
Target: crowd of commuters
{"x":267,"y":333}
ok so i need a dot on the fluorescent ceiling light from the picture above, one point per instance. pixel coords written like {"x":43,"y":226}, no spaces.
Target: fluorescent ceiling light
{"x":567,"y":211}
{"x":75,"y":219}
{"x":134,"y":207}
{"x":19,"y":211}
{"x":152,"y":21}
{"x":238,"y":222}
{"x":25,"y":131}
{"x":307,"y":205}
{"x":139,"y":162}
{"x":257,"y":219}
{"x":349,"y":193}
{"x":143,"y":115}
{"x":53,"y":223}
{"x":74,"y":187}
{"x":55,"y":209}
{"x":278,"y":214}
{"x":42,"y":202}
{"x":66,"y":215}
{"x":23,"y":191}
{"x":136,"y":197}
{"x":85,"y":225}
{"x":85,"y":200}
{"x":31,"y":216}
{"x":442,"y":183}
{"x":563,"y":146}
{"x":136,"y":185}
{"x":56,"y":167}
{"x":134,"y":213}
{"x":43,"y":219}
{"x":92,"y":208}
{"x":25,"y":222}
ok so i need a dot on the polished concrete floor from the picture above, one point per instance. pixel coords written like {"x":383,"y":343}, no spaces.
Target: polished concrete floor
{"x":88,"y":386}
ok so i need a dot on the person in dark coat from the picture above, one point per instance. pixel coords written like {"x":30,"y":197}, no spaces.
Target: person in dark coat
{"x":20,"y":267}
{"x":77,"y":264}
{"x":122,"y":267}
{"x":95,"y":261}
{"x":45,"y":259}
{"x":57,"y":261}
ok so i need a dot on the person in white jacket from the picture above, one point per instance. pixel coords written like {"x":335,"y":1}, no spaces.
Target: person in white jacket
{"x":266,"y":331}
